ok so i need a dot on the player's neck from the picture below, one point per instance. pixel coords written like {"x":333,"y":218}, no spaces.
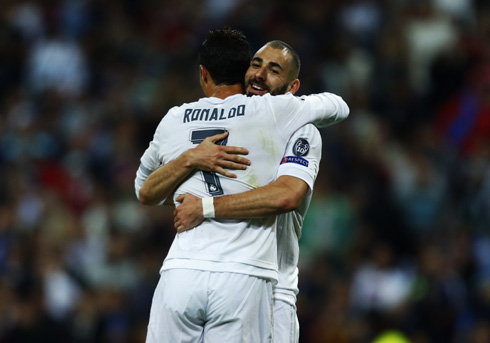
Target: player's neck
{"x":225,"y":91}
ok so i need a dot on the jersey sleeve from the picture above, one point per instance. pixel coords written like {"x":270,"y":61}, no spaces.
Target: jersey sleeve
{"x":327,"y":108}
{"x":149,"y":162}
{"x":322,"y":110}
{"x":302,"y":155}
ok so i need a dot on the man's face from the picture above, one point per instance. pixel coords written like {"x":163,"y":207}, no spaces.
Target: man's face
{"x":268,"y":72}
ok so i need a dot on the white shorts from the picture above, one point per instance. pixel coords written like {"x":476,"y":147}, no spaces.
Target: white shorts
{"x":286,"y":324}
{"x":201,"y":306}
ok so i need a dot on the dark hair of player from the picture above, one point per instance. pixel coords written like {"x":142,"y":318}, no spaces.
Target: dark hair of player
{"x":226,"y":55}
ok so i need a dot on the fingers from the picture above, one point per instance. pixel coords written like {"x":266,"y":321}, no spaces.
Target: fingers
{"x":180,"y":226}
{"x":235,"y":150}
{"x":220,"y":166}
{"x":226,"y":173}
{"x":230,"y":160}
{"x":218,"y":137}
{"x":177,"y":222}
{"x":180,"y":198}
{"x":181,"y":229}
{"x":220,"y":157}
{"x":239,"y":160}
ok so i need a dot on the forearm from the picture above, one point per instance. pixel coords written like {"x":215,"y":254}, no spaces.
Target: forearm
{"x":207,"y":156}
{"x":253,"y":204}
{"x":284,"y":195}
{"x":163,"y":181}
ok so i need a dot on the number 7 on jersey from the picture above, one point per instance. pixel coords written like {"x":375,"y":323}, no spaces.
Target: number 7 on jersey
{"x":211,"y":180}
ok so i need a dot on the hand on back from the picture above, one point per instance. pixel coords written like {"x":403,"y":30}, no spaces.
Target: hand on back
{"x":212,"y":157}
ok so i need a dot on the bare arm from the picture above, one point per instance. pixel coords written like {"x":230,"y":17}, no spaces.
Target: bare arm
{"x":283,"y":195}
{"x":207,"y":156}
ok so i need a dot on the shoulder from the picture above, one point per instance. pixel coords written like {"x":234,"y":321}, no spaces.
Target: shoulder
{"x":304,"y":139}
{"x":282,"y":103}
{"x":307,"y":131}
{"x":176,"y":111}
{"x":280,"y":97}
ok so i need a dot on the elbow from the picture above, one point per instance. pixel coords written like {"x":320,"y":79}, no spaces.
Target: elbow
{"x":288,"y":203}
{"x":289,"y":193}
{"x":343,"y":110}
{"x":145,"y":198}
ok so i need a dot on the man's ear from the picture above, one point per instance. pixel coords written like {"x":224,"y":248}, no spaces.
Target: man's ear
{"x":203,"y":73}
{"x":293,"y":86}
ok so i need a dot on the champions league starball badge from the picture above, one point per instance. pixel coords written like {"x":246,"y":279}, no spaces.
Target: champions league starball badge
{"x":301,"y":147}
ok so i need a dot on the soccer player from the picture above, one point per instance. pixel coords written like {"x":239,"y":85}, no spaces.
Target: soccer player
{"x":274,"y":69}
{"x":216,"y":281}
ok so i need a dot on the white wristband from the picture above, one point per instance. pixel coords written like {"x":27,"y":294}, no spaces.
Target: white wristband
{"x":208,"y":207}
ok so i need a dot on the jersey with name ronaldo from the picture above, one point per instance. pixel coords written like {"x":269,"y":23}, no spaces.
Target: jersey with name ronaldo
{"x":262,"y":125}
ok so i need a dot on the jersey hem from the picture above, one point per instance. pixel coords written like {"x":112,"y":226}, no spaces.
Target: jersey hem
{"x":229,"y":267}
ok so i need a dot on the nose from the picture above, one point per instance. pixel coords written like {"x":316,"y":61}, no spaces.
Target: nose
{"x":260,"y":74}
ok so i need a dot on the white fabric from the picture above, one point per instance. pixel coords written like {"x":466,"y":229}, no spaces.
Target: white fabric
{"x":289,"y":224}
{"x":190,"y":304}
{"x":262,"y":125}
{"x":286,"y":324}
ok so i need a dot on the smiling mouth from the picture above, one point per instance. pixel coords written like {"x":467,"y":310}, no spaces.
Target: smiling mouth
{"x":258,"y":88}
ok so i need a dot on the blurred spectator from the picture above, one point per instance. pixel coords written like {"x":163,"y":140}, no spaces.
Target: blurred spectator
{"x":428,"y":33}
{"x":56,"y":63}
{"x":27,"y":18}
{"x":380,"y":284}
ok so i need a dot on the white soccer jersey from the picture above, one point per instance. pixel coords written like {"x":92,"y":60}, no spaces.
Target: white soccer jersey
{"x":262,"y":125}
{"x":301,"y":160}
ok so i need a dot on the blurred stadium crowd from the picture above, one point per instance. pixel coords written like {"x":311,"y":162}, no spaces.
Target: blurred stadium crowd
{"x":398,"y":234}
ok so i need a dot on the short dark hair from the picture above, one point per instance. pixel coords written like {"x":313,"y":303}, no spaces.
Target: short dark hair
{"x":296,"y":64}
{"x":226,"y":55}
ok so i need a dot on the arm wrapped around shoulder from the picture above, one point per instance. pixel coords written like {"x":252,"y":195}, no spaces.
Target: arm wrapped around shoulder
{"x":328,"y":107}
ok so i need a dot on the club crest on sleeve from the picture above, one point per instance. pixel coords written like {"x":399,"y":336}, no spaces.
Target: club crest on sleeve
{"x":301,"y":147}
